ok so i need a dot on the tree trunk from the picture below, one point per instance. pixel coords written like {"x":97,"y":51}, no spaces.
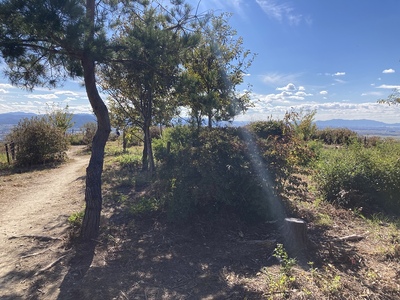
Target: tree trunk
{"x":93,"y":197}
{"x":145,"y":164}
{"x":124,"y":141}
{"x":295,"y":233}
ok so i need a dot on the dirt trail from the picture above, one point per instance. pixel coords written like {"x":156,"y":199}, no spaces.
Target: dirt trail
{"x":34,"y":208}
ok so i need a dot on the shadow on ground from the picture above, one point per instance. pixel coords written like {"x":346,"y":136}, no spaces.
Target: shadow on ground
{"x":146,"y":259}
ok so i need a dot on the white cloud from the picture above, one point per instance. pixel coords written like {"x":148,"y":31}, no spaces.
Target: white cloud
{"x":225,"y":5}
{"x":282,"y":12}
{"x":289,"y":87}
{"x":43,"y":96}
{"x":388,"y":71}
{"x":339,"y":74}
{"x":340,"y":80}
{"x":67,"y":93}
{"x":302,"y":94}
{"x":375,"y":94}
{"x":6,"y":86}
{"x":325,"y":111}
{"x":3,"y":91}
{"x":323,"y":92}
{"x":279,"y":79}
{"x":386,"y":86}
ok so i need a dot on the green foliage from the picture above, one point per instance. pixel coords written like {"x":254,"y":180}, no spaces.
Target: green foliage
{"x":76,"y":139}
{"x":38,"y":141}
{"x":213,"y":70}
{"x":267,"y":129}
{"x":226,"y":169}
{"x":59,"y":117}
{"x":336,"y":136}
{"x":129,"y":161}
{"x":144,"y":206}
{"x":76,"y":219}
{"x":212,"y":176}
{"x":286,"y":155}
{"x":303,"y":124}
{"x":286,"y":263}
{"x":89,"y":130}
{"x":361,"y":176}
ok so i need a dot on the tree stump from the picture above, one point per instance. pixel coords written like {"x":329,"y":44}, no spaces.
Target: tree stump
{"x":295,"y":236}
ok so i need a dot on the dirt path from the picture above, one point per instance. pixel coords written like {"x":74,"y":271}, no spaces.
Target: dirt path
{"x":34,"y":208}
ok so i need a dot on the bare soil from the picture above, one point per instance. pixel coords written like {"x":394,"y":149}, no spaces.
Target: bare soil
{"x":35,"y":207}
{"x":146,"y":257}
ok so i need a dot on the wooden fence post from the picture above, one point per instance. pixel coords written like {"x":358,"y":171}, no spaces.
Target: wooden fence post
{"x":8,"y":155}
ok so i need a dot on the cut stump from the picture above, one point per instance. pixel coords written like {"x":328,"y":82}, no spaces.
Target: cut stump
{"x":295,"y":236}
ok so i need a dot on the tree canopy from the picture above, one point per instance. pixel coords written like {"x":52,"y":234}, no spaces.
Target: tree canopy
{"x":140,"y":80}
{"x":212,"y":72}
{"x":44,"y":42}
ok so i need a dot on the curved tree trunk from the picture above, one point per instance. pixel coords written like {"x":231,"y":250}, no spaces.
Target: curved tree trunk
{"x":93,"y":197}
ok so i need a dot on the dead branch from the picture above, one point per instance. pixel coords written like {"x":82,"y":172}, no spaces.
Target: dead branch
{"x":36,"y":253}
{"x":352,"y":238}
{"x":42,"y":238}
{"x":49,"y":266}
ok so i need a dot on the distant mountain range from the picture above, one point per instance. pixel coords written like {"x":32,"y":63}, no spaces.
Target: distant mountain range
{"x":9,"y":120}
{"x":363,"y":127}
{"x":354,"y":124}
{"x":14,"y":117}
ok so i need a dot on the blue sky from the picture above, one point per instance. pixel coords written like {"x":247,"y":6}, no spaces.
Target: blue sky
{"x":336,"y":56}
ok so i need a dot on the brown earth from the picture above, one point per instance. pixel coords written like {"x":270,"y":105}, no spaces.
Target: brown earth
{"x":143,"y":256}
{"x":35,"y":207}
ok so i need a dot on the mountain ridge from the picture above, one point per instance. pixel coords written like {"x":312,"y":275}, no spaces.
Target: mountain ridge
{"x":12,"y":118}
{"x":358,"y":123}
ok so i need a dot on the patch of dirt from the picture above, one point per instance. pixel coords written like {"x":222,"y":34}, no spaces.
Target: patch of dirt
{"x":35,"y":207}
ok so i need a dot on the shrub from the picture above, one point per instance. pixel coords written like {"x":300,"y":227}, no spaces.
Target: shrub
{"x":89,"y":130}
{"x":76,"y":139}
{"x":359,"y":176}
{"x":211,"y":177}
{"x":38,"y":142}
{"x":267,"y":129}
{"x":336,"y":136}
{"x":224,"y":169}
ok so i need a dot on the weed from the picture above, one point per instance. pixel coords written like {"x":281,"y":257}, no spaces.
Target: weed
{"x":335,"y":284}
{"x":76,"y":219}
{"x":323,"y":220}
{"x":145,"y":205}
{"x":286,"y":263}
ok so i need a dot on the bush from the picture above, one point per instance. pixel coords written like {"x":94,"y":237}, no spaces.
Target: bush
{"x":89,"y":130}
{"x":225,"y":169}
{"x":38,"y":142}
{"x":267,"y":129}
{"x":211,"y":177}
{"x":76,"y":139}
{"x":359,"y":176}
{"x":336,"y":136}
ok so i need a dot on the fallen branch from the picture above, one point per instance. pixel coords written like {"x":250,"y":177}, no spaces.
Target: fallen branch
{"x":42,"y":238}
{"x":50,"y":265}
{"x":36,"y":253}
{"x":352,"y":238}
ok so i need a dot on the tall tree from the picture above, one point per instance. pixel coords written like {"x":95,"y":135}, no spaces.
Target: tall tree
{"x":214,"y":70}
{"x":141,"y":79}
{"x":44,"y":42}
